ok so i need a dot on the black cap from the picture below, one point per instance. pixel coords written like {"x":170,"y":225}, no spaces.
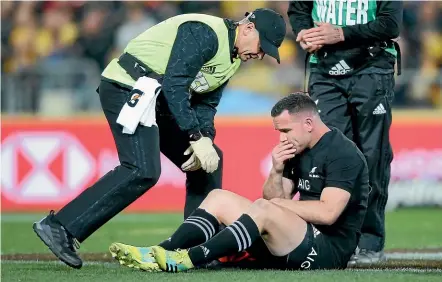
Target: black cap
{"x":271,"y":27}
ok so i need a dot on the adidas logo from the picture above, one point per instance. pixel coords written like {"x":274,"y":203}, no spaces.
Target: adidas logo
{"x":380,"y":110}
{"x":316,"y":232}
{"x":340,"y":68}
{"x":205,"y":251}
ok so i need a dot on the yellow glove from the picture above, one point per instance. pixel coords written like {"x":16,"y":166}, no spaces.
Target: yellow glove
{"x":193,"y":163}
{"x":206,"y":153}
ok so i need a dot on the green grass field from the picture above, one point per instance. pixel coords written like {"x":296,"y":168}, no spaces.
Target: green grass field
{"x":407,"y":229}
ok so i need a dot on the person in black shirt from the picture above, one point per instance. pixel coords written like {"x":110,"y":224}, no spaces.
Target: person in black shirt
{"x":320,"y":231}
{"x":353,"y":50}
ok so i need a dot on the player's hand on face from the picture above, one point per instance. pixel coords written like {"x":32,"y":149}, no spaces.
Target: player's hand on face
{"x":280,"y":154}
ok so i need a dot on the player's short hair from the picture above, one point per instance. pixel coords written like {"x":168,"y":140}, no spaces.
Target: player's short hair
{"x":294,"y":103}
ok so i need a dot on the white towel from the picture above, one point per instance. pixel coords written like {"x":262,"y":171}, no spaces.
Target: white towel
{"x":144,"y":110}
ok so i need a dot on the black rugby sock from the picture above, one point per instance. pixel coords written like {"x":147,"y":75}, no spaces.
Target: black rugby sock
{"x":234,"y":238}
{"x":198,"y":228}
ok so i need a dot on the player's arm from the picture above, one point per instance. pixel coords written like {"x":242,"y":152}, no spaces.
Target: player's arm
{"x":195,"y":44}
{"x":299,"y":13}
{"x":323,"y":212}
{"x":341,"y":178}
{"x":386,"y":25}
{"x":278,"y":185}
{"x":205,"y":109}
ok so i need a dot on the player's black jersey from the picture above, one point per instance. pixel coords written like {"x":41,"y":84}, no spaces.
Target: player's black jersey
{"x":334,"y":161}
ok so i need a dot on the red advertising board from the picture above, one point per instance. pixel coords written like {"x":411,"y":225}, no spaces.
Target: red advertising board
{"x":47,"y":163}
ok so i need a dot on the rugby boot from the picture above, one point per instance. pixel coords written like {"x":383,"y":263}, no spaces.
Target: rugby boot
{"x":135,"y":257}
{"x":172,"y":261}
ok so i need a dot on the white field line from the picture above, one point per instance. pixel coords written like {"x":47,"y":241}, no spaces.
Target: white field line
{"x":116,"y":265}
{"x":415,"y":256}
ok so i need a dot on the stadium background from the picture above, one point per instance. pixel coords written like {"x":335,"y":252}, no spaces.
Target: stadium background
{"x":55,"y":141}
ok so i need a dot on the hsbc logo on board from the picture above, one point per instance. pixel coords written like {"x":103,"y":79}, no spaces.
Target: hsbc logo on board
{"x":50,"y":166}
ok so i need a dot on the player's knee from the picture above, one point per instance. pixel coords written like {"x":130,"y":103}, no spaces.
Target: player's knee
{"x":217,"y":200}
{"x":260,"y":208}
{"x":217,"y":196}
{"x":214,"y":194}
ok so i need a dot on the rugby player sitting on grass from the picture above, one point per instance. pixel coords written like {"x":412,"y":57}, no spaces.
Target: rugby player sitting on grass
{"x":320,"y":231}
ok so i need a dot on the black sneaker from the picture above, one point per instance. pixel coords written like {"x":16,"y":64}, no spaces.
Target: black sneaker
{"x":353,"y":258}
{"x":60,"y":242}
{"x":367,"y":257}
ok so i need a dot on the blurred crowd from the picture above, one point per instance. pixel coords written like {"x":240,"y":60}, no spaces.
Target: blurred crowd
{"x":47,"y":43}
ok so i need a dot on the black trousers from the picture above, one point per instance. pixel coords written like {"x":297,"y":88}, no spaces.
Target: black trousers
{"x":360,"y":106}
{"x":139,"y":168}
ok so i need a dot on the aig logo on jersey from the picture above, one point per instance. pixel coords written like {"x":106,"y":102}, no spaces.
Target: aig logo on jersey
{"x":303,"y":184}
